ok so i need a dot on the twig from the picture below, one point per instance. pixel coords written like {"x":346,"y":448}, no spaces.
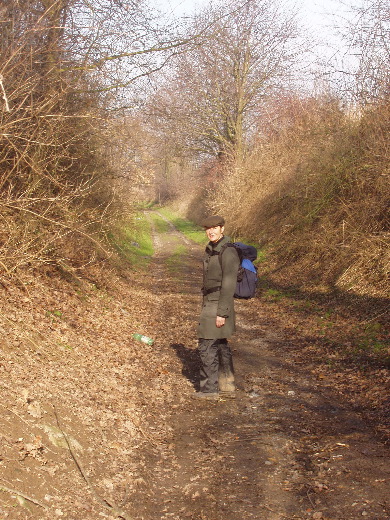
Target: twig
{"x":147,"y":436}
{"x":7,"y":109}
{"x":112,"y":508}
{"x":273,"y":511}
{"x":308,"y":496}
{"x":26,"y":497}
{"x":57,"y":223}
{"x":378,"y":315}
{"x":125,"y":498}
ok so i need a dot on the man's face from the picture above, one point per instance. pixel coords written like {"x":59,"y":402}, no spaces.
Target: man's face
{"x":215,"y":233}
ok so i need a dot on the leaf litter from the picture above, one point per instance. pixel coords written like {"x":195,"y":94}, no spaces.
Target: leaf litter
{"x":95,"y":424}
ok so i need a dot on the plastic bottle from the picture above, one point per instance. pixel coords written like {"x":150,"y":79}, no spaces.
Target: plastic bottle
{"x":144,"y":339}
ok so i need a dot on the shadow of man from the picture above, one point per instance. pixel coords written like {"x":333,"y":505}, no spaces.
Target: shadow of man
{"x":191,"y":363}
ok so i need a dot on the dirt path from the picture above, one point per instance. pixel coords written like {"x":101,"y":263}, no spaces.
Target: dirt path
{"x":94,"y":424}
{"x":287,"y":447}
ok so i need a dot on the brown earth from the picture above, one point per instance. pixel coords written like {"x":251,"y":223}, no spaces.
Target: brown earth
{"x":97,"y":425}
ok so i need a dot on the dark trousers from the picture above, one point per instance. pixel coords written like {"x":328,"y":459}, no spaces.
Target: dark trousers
{"x":216,"y":373}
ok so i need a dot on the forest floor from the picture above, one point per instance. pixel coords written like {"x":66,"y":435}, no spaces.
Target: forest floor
{"x":97,"y":425}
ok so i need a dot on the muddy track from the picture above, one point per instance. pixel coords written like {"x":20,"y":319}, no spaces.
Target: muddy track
{"x":288,"y":447}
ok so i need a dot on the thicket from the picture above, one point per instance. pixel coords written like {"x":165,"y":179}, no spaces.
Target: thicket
{"x":52,"y":186}
{"x":315,"y":190}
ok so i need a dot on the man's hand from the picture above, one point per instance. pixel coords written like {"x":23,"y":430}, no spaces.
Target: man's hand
{"x":220,"y":322}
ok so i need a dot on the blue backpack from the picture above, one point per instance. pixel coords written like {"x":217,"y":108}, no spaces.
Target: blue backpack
{"x":247,"y":277}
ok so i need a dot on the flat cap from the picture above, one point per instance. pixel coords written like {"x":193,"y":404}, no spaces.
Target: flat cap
{"x":213,"y":221}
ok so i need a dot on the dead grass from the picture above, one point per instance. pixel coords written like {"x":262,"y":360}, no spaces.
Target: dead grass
{"x":315,"y":191}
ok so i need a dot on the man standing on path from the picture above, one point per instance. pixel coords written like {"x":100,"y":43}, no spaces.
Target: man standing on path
{"x":217,"y":320}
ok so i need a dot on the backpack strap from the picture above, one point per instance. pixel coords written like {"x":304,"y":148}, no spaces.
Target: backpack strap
{"x":212,"y":253}
{"x":229,"y":244}
{"x":205,"y":292}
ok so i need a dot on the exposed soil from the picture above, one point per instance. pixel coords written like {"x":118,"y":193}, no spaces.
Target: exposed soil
{"x":97,"y":425}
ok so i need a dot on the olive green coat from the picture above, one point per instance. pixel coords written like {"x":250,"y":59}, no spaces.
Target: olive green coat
{"x":219,"y":303}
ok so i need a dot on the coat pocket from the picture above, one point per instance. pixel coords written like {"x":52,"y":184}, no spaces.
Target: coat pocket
{"x":213,"y":297}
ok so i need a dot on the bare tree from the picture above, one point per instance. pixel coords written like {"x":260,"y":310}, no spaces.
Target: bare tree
{"x":215,"y":88}
{"x":369,"y":35}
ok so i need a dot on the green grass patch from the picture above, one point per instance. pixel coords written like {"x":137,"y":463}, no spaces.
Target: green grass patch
{"x":191,"y":230}
{"x":161,"y":225}
{"x":174,"y":261}
{"x":373,"y":341}
{"x":274,"y":295}
{"x":261,"y":255}
{"x":144,"y":205}
{"x":133,"y":241}
{"x":54,"y":315}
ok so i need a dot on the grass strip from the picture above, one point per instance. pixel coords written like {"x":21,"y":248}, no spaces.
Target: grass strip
{"x":133,"y":241}
{"x":189,"y":229}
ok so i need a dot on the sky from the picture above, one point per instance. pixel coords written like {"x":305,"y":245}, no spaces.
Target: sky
{"x":321,"y":21}
{"x":318,"y":13}
{"x":320,"y":16}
